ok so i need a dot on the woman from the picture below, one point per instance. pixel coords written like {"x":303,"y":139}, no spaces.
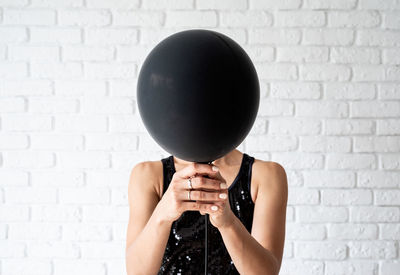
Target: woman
{"x":165,"y":233}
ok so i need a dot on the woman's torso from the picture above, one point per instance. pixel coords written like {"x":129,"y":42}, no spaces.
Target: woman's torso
{"x":185,"y":249}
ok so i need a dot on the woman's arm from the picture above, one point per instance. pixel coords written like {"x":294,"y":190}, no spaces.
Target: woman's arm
{"x":261,"y":252}
{"x":147,"y":233}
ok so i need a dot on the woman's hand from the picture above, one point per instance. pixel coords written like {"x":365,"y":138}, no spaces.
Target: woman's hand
{"x":204,"y":195}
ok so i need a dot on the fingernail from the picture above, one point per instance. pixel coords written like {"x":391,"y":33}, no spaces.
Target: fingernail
{"x":215,"y":168}
{"x":223,"y":186}
{"x":222,"y":196}
{"x":214,"y":208}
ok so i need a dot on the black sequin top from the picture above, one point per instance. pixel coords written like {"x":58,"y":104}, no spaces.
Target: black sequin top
{"x":185,"y":249}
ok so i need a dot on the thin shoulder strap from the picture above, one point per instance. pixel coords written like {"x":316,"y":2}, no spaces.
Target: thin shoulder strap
{"x":249,"y":171}
{"x":167,"y":172}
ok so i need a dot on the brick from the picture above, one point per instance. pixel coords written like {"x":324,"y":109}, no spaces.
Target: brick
{"x":330,"y":4}
{"x":390,"y":161}
{"x":142,"y":19}
{"x":374,"y":214}
{"x":191,"y":19}
{"x":271,"y":4}
{"x":28,"y":159}
{"x":300,"y":19}
{"x":294,"y":266}
{"x":42,"y":105}
{"x":34,"y":231}
{"x":53,"y":249}
{"x":12,"y":249}
{"x":352,"y":231}
{"x":86,"y":232}
{"x":59,"y":213}
{"x":277,"y":71}
{"x":275,"y":108}
{"x":110,"y":70}
{"x":80,"y":123}
{"x":388,"y":268}
{"x":26,"y":87}
{"x":12,"y":105}
{"x":13,"y":34}
{"x":329,"y":179}
{"x":392,"y":73}
{"x":378,"y":179}
{"x":388,"y":127}
{"x":56,"y":70}
{"x":30,"y":195}
{"x":376,"y":5}
{"x":117,"y":4}
{"x":346,"y":197}
{"x":302,"y":54}
{"x":81,"y":266}
{"x":57,"y":3}
{"x":294,"y":90}
{"x":303,"y":196}
{"x":106,"y":105}
{"x":84,"y":18}
{"x":354,"y":19}
{"x":321,"y":250}
{"x":387,"y":197}
{"x":377,"y":144}
{"x":325,"y":144}
{"x":328,"y":37}
{"x":351,"y":267}
{"x":85,"y":195}
{"x":132,"y":53}
{"x":57,"y":36}
{"x":126,"y":123}
{"x":322,"y":214}
{"x":221,"y":5}
{"x":351,"y":91}
{"x":107,"y":178}
{"x":374,"y":109}
{"x":29,"y":17}
{"x":324,"y":72}
{"x":80,"y":88}
{"x":98,"y":160}
{"x":391,"y":20}
{"x":103,"y":250}
{"x":328,"y":109}
{"x":299,"y":160}
{"x":123,"y":88}
{"x":57,"y":178}
{"x":111,"y":36}
{"x":271,"y":36}
{"x":350,"y":161}
{"x":98,"y":213}
{"x":271,"y":143}
{"x":391,"y":56}
{"x":111,"y":142}
{"x":389,"y":38}
{"x":13,"y":70}
{"x":353,"y":55}
{"x":14,"y":3}
{"x":56,"y":142}
{"x":126,"y":160}
{"x":348,"y":126}
{"x":26,"y":266}
{"x":162,"y":5}
{"x":87,"y":53}
{"x":294,"y":126}
{"x":389,"y":231}
{"x":14,"y":213}
{"x":11,"y":177}
{"x":34,"y":53}
{"x":119,"y":197}
{"x":251,"y":18}
{"x":372,"y":249}
{"x":299,"y":231}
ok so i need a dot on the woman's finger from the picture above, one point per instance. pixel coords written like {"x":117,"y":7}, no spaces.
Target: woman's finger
{"x":199,"y":195}
{"x":199,"y":182}
{"x":195,"y":168}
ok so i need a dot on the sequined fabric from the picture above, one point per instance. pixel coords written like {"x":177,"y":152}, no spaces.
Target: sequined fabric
{"x":185,"y":249}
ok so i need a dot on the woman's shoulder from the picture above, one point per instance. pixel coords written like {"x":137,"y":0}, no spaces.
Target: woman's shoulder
{"x":150,"y":173}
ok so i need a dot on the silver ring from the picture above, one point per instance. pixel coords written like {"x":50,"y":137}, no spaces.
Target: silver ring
{"x":190,"y":183}
{"x":189,"y":195}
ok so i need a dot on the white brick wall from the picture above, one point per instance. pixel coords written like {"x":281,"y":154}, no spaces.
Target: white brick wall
{"x":70,"y":130}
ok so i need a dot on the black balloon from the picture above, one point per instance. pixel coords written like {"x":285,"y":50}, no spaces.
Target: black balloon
{"x":198,"y":94}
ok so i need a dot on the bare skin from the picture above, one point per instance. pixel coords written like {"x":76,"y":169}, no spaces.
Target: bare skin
{"x":259,"y":252}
